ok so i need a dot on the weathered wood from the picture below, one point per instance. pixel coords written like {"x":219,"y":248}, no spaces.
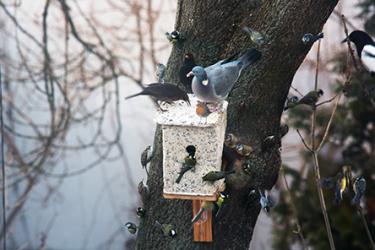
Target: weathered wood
{"x":213,"y":30}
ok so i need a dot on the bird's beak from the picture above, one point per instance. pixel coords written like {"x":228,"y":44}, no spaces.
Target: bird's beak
{"x":190,"y":74}
{"x":188,"y":102}
{"x":345,"y":40}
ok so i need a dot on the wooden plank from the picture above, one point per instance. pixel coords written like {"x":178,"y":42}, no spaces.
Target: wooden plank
{"x":203,"y":227}
{"x":190,"y":197}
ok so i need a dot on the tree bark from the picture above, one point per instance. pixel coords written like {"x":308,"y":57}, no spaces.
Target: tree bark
{"x":213,"y":31}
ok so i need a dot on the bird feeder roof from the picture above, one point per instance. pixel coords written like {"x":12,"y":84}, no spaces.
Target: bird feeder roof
{"x":181,"y":114}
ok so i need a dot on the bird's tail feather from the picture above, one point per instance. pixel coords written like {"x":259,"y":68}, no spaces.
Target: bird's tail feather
{"x":131,"y":96}
{"x":251,"y":55}
{"x":198,"y":215}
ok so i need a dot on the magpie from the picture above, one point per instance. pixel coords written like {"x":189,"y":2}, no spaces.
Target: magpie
{"x":365,"y":46}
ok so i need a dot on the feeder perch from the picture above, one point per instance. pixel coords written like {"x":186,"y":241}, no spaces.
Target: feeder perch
{"x":183,"y":128}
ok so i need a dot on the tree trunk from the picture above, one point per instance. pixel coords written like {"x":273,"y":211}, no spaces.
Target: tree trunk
{"x":213,"y":31}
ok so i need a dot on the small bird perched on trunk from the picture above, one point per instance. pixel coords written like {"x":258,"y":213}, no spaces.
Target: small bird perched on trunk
{"x":266,"y":202}
{"x":131,"y":227}
{"x":365,"y":46}
{"x":160,"y":72}
{"x":255,"y":36}
{"x":231,"y":140}
{"x":163,"y":92}
{"x":311,"y":98}
{"x":146,"y":157}
{"x":166,"y":229}
{"x":310,"y":38}
{"x":174,"y":36}
{"x":216,"y":175}
{"x":214,"y":83}
{"x":141,"y":212}
{"x":187,"y":66}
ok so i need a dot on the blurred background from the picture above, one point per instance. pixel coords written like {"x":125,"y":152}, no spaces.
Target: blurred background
{"x":73,"y":144}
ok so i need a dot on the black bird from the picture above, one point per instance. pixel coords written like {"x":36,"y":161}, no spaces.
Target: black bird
{"x":163,"y":92}
{"x":365,"y":46}
{"x":187,"y":66}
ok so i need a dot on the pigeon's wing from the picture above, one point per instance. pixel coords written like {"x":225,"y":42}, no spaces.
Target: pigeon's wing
{"x":221,"y":63}
{"x":214,"y":66}
{"x":223,"y":77}
{"x":368,"y":57}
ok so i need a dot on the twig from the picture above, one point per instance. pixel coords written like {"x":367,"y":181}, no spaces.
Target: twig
{"x":327,"y":101}
{"x":316,"y":161}
{"x":2,"y":161}
{"x":295,"y":89}
{"x":348,"y":42}
{"x":366,"y":227}
{"x":329,"y":123}
{"x":294,"y":210}
{"x":304,"y":142}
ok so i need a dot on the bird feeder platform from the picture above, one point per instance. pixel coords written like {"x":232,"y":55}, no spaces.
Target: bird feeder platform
{"x":182,"y":127}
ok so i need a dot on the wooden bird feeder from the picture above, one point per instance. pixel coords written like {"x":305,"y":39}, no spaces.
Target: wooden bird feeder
{"x":182,"y":127}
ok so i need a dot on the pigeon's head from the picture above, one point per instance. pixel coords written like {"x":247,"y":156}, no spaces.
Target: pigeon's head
{"x":199,"y":73}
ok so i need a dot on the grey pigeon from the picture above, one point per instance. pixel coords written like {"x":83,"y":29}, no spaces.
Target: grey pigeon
{"x":213,"y":83}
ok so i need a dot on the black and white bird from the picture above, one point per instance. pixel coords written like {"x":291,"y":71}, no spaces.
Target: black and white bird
{"x":214,"y":83}
{"x":365,"y":46}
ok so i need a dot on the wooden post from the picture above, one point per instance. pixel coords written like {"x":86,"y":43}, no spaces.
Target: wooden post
{"x":203,"y":227}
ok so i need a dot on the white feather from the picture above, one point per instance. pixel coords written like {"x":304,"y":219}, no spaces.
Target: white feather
{"x":368,"y":57}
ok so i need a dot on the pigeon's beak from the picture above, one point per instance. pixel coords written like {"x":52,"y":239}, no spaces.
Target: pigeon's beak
{"x":190,"y":74}
{"x":345,"y":40}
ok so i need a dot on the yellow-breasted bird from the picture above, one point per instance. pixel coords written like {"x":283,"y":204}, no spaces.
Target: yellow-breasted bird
{"x":341,"y":186}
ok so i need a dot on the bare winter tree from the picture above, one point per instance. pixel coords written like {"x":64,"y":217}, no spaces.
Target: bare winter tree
{"x":63,"y":69}
{"x":213,"y":30}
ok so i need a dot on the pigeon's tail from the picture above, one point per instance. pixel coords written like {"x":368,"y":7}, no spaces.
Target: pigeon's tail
{"x":250,"y":56}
